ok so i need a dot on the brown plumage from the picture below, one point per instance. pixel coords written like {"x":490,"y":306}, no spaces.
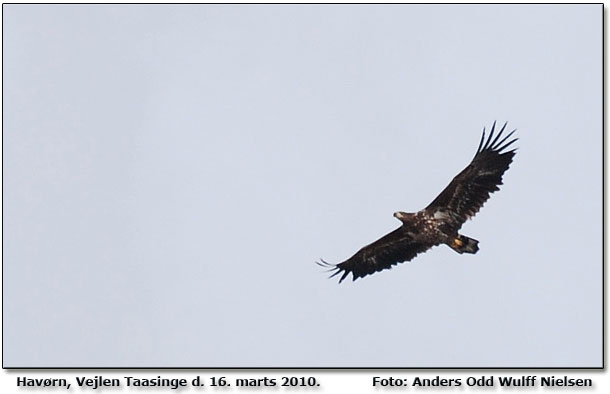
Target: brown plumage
{"x":440,"y":221}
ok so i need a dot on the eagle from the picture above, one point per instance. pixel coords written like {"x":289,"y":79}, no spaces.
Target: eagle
{"x":440,"y":221}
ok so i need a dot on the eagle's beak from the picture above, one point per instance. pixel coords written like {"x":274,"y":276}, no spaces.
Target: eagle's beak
{"x":399,"y":215}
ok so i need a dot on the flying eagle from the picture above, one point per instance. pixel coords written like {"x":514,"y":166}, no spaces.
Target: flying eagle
{"x":440,"y":221}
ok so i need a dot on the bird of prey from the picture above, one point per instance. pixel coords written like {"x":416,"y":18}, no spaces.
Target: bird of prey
{"x":440,"y":221}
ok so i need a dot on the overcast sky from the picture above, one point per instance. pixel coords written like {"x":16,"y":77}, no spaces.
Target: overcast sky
{"x":171,"y":173}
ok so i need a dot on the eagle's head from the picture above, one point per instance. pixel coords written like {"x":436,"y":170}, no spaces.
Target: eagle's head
{"x":403,"y":216}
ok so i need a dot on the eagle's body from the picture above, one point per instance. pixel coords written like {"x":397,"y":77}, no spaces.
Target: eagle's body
{"x":440,"y":221}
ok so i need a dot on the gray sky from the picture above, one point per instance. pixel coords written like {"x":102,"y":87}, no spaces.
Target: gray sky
{"x":171,"y":173}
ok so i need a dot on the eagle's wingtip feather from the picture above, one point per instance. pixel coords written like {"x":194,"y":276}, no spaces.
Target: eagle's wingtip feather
{"x":481,"y":142}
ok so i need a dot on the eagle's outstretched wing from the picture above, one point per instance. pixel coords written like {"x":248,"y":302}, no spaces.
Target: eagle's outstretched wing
{"x":469,"y":190}
{"x":391,"y":249}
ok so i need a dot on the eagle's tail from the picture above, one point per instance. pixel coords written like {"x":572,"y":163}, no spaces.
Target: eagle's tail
{"x":463,"y":244}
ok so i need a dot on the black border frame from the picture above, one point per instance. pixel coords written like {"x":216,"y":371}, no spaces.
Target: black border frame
{"x":340,"y":369}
